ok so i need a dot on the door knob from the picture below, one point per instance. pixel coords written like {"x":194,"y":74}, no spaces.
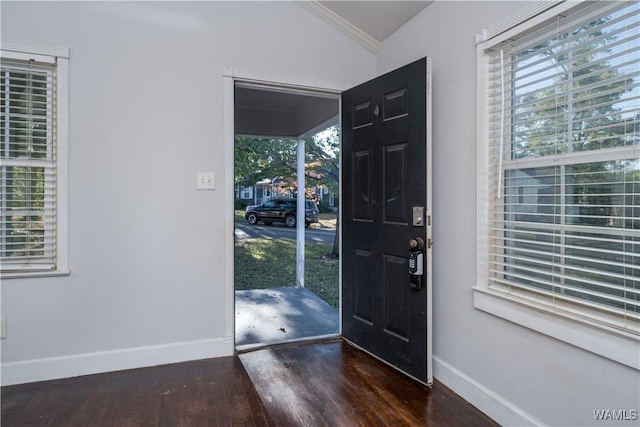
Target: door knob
{"x":416,"y":243}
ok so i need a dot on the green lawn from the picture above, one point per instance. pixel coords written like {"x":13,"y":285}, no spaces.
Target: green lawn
{"x":265,"y":263}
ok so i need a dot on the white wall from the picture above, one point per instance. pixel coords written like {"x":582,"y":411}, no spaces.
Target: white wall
{"x":147,"y":249}
{"x":515,"y":375}
{"x":146,"y":115}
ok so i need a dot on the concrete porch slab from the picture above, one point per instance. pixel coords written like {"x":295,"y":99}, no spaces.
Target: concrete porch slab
{"x":277,"y":315}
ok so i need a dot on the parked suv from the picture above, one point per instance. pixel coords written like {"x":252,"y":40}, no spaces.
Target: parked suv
{"x":281,"y":210}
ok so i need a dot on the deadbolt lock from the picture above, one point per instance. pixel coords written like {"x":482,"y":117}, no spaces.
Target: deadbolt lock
{"x":418,"y":216}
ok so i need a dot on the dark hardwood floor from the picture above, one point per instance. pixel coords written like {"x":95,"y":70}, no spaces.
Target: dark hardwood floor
{"x":211,"y":392}
{"x":334,"y":384}
{"x":321,"y":384}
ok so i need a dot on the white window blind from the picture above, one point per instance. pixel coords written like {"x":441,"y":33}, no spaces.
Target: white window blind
{"x":28,"y":156}
{"x":563,"y":165}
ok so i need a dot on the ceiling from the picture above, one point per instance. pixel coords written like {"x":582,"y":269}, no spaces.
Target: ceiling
{"x":280,"y":112}
{"x":269,"y":112}
{"x":378,"y":19}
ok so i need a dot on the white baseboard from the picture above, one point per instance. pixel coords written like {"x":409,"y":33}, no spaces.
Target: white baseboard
{"x":492,"y":404}
{"x":114,"y":360}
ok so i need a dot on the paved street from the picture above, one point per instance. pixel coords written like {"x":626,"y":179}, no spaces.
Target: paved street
{"x":244,"y":230}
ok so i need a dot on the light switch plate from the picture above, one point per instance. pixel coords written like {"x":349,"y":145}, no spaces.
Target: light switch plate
{"x":206,"y":181}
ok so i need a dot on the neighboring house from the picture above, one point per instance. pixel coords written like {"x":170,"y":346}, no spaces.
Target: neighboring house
{"x":277,"y":187}
{"x":262,"y":191}
{"x":541,"y":199}
{"x":325,"y":196}
{"x":530,"y":197}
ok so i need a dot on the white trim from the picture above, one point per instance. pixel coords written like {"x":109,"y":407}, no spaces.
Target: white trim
{"x":429,"y":221}
{"x":482,"y":153}
{"x":229,"y":212}
{"x":608,"y":343}
{"x":342,"y":25}
{"x":300,"y":213}
{"x":36,"y":274}
{"x":248,"y":82}
{"x":108,"y":361}
{"x":575,"y":158}
{"x":60,"y":56}
{"x":231,"y":78}
{"x":497,"y":407}
{"x":527,"y":13}
{"x":62,"y":164}
{"x":35,"y":50}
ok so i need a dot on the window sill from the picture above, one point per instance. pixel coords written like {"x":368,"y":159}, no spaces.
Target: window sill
{"x":31,"y":275}
{"x":614,"y":345}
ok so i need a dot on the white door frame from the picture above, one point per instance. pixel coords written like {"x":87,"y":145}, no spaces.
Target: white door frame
{"x":230,"y":78}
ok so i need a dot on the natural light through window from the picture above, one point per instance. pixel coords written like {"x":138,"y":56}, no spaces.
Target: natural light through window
{"x":32,"y":150}
{"x":562,"y":166}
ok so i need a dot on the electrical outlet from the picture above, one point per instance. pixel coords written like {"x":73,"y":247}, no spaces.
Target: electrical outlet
{"x":206,"y":181}
{"x":3,"y":328}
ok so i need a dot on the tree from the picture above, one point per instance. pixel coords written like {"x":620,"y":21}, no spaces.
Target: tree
{"x":577,"y":112}
{"x":574,"y":100}
{"x":322,"y":158}
{"x":324,"y":153}
{"x":580,"y":109}
{"x":260,"y":158}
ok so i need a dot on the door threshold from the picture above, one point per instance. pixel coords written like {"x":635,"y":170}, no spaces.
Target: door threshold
{"x":245,"y":348}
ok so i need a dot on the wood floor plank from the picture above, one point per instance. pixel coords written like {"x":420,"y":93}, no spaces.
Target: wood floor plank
{"x":212,"y":392}
{"x":344,"y":386}
{"x":319,"y":384}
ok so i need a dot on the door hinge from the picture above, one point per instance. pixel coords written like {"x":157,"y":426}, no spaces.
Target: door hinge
{"x":429,"y":243}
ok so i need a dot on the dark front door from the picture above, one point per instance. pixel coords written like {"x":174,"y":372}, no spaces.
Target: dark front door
{"x":384,"y":147}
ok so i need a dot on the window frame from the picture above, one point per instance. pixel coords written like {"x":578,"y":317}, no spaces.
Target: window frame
{"x":565,"y":323}
{"x":60,"y":56}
